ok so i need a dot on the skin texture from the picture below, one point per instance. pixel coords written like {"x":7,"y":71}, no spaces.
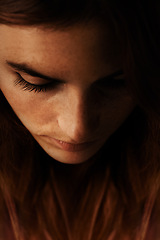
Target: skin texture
{"x":78,"y":110}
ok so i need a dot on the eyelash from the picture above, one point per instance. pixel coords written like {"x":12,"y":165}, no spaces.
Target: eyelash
{"x":26,"y":86}
{"x":111,"y":84}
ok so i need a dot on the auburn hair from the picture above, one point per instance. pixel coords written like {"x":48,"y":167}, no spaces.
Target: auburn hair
{"x":114,"y":195}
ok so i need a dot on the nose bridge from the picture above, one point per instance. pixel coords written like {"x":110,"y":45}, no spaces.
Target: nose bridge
{"x":75,"y":121}
{"x":77,"y":114}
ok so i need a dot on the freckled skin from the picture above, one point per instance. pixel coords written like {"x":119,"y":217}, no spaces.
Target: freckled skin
{"x":74,"y":111}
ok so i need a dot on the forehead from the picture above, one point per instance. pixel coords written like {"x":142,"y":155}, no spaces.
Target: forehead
{"x":92,"y":42}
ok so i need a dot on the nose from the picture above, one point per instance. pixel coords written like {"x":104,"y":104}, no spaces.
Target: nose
{"x":78,"y":119}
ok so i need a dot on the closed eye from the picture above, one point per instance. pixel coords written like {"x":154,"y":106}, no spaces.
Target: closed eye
{"x":27,"y":86}
{"x":111,"y":83}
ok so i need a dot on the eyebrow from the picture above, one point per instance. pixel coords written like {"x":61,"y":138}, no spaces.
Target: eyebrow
{"x":23,"y":67}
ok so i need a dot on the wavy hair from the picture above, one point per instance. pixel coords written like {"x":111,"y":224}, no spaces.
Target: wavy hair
{"x":115,"y":194}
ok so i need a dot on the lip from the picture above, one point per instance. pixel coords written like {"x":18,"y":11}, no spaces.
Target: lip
{"x":70,"y":147}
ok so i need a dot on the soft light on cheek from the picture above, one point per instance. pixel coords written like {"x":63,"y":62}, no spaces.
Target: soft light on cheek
{"x":26,"y":107}
{"x":35,"y":115}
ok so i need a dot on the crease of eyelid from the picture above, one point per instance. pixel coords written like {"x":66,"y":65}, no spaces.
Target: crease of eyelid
{"x":46,"y":82}
{"x":112,"y":82}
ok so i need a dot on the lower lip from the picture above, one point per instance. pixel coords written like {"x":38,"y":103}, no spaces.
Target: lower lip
{"x":69,"y":146}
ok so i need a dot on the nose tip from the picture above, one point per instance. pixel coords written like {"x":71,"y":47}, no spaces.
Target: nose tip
{"x":76,"y":129}
{"x":78,"y":123}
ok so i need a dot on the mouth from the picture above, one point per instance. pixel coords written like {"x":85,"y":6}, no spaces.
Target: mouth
{"x":67,"y":146}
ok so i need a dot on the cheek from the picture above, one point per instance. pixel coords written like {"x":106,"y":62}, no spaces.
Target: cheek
{"x":33,"y":111}
{"x":116,"y":112}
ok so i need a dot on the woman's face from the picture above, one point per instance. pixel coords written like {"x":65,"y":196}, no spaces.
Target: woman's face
{"x":59,"y":84}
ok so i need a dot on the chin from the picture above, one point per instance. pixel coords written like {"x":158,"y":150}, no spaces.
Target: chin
{"x":69,"y":158}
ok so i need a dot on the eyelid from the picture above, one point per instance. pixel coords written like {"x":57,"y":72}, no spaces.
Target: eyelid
{"x":27,"y":86}
{"x":40,"y":81}
{"x":111,"y":81}
{"x":45,"y":82}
